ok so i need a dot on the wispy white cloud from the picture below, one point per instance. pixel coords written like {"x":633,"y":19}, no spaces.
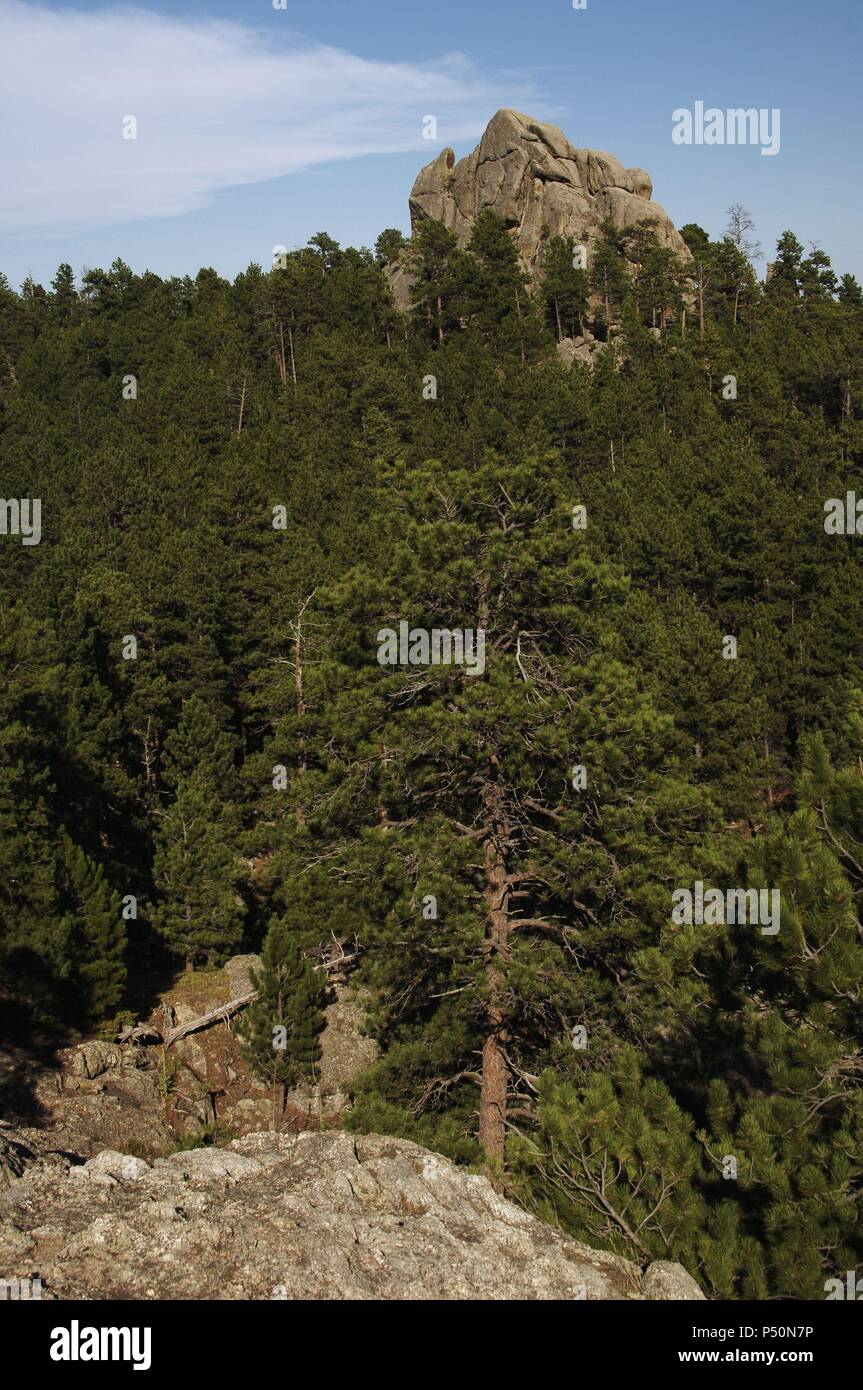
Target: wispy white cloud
{"x":216,"y":104}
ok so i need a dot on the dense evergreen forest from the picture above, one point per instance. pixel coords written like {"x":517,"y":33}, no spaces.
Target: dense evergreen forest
{"x":242,"y":484}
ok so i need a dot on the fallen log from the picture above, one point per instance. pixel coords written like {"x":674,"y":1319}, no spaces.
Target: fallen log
{"x":217,"y":1015}
{"x":334,"y":965}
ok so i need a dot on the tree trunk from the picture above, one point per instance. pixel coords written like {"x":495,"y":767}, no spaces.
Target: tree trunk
{"x":495,"y":1071}
{"x":149,"y":754}
{"x":492,"y":1101}
{"x":242,"y":407}
{"x":518,"y":310}
{"x":293,"y":360}
{"x":283,"y":369}
{"x":298,"y":685}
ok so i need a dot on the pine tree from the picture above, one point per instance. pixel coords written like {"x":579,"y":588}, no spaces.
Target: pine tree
{"x":657,"y":285}
{"x":197,"y":868}
{"x":788,"y":266}
{"x":34,"y":949}
{"x":488,"y":876}
{"x":608,"y":274}
{"x":281,"y":1028}
{"x":564,"y":287}
{"x":198,"y":750}
{"x":802,"y":1141}
{"x":850,"y":291}
{"x":616,"y":1162}
{"x":95,"y":931}
{"x":431,"y":261}
{"x":390,"y":245}
{"x":198,"y":875}
{"x":65,"y":296}
{"x":491,"y":286}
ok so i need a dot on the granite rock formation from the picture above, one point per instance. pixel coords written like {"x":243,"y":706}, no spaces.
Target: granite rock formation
{"x":540,"y":185}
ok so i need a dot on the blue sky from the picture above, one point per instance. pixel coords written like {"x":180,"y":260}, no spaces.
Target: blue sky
{"x":259,"y":127}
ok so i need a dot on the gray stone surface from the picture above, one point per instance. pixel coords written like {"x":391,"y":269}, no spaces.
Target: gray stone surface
{"x":668,"y":1281}
{"x":94,"y":1058}
{"x":311,"y":1216}
{"x":345,"y":1053}
{"x":239,"y":972}
{"x":540,"y":185}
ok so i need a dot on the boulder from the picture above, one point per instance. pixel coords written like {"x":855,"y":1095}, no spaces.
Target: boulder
{"x":109,"y":1167}
{"x":239,"y":972}
{"x":92,"y":1059}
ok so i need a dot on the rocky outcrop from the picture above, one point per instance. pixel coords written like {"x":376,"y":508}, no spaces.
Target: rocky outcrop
{"x":212,"y":1071}
{"x":530,"y":175}
{"x":309,"y":1216}
{"x":571,"y":350}
{"x":346,"y":1051}
{"x":142,"y":1096}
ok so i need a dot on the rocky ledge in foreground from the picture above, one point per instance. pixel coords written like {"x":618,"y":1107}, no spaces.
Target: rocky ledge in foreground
{"x":310,"y":1216}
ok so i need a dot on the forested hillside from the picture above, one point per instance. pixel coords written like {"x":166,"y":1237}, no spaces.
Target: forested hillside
{"x":242,"y":485}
